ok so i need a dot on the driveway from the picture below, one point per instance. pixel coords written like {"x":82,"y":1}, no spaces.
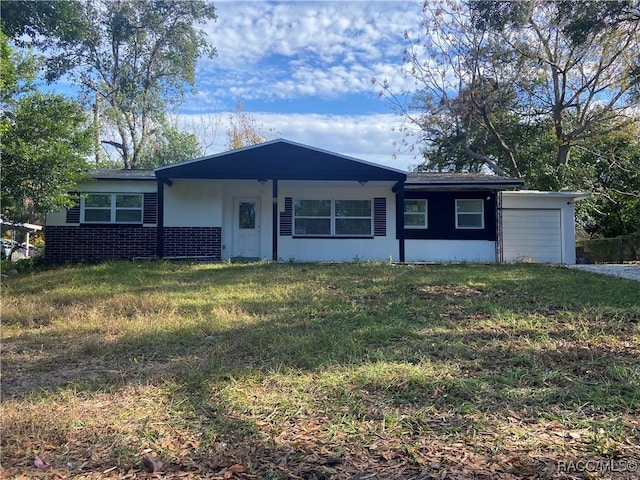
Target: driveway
{"x":626,"y":270}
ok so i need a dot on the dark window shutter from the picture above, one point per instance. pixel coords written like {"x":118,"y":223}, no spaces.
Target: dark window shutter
{"x":286,"y":217}
{"x":73,"y":213}
{"x":380,"y":217}
{"x":150,"y":212}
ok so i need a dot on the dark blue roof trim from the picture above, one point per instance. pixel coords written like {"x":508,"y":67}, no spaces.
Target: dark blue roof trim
{"x":282,"y":160}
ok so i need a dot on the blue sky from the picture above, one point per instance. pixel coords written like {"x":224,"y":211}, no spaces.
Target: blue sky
{"x":303,"y":69}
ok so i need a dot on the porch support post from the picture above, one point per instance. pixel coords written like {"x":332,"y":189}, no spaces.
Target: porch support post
{"x":399,"y":189}
{"x":160,"y":220}
{"x":274,"y":232}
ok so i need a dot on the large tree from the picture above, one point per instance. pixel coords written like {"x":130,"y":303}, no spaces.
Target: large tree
{"x":135,"y":58}
{"x":496,"y":78}
{"x":585,"y":82}
{"x":45,"y":139}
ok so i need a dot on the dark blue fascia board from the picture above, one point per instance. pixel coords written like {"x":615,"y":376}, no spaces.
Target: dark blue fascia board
{"x":281,"y":175}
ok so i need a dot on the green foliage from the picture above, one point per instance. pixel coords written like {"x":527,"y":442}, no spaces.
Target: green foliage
{"x":43,"y":154}
{"x":492,"y":15}
{"x":8,"y":73}
{"x":611,"y":172}
{"x":504,"y":75}
{"x":34,"y":23}
{"x":170,"y":146}
{"x":136,"y":58}
{"x":588,"y":18}
{"x":44,"y":142}
{"x":625,"y":248}
{"x":17,"y":73}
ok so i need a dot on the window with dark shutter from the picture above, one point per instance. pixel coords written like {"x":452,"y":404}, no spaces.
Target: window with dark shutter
{"x":286,"y":218}
{"x":150,"y":210}
{"x":380,"y":217}
{"x":73,"y":213}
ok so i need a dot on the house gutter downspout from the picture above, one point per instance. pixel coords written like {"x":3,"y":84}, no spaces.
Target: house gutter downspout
{"x":274,"y":233}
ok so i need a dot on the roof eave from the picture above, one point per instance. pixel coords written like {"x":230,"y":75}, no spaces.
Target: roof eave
{"x":121,"y":175}
{"x":125,"y":179}
{"x":556,"y":194}
{"x":501,"y":185}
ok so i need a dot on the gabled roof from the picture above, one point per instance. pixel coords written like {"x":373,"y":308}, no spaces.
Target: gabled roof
{"x":467,"y":181}
{"x":282,"y":160}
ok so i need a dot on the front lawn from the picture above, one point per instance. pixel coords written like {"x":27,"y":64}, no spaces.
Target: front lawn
{"x":320,"y":371}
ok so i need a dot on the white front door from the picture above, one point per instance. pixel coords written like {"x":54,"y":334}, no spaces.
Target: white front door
{"x":246,"y":228}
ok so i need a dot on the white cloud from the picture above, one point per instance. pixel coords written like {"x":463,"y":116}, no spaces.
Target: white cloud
{"x":282,"y":50}
{"x":375,"y":138}
{"x":310,"y":50}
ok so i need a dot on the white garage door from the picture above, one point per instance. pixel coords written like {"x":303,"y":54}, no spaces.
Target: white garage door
{"x":531,"y":235}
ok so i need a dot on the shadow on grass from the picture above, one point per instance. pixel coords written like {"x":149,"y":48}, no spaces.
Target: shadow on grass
{"x":368,"y":340}
{"x":338,"y":316}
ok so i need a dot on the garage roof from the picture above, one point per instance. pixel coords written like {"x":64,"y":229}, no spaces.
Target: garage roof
{"x":462,"y":181}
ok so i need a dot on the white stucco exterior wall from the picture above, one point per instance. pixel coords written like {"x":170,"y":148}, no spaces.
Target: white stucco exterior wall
{"x":427,"y":250}
{"x":193,"y":203}
{"x":57,"y":218}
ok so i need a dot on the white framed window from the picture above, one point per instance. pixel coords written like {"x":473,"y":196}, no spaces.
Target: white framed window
{"x":469,"y":213}
{"x":353,"y":217}
{"x":333,"y":218}
{"x":416,"y":213}
{"x":111,"y":208}
{"x":312,"y":217}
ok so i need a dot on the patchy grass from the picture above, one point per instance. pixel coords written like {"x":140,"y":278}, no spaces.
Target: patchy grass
{"x":320,"y":371}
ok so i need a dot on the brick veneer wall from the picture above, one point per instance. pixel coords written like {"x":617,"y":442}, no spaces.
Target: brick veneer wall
{"x":93,"y":243}
{"x":193,"y":242}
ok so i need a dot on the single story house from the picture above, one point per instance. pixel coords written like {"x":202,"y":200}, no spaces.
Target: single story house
{"x":281,"y":200}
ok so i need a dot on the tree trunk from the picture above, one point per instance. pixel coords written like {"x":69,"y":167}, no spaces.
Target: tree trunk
{"x":96,"y":124}
{"x":562,"y":157}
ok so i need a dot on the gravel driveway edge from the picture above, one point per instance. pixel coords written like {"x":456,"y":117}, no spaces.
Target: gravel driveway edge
{"x":628,"y":271}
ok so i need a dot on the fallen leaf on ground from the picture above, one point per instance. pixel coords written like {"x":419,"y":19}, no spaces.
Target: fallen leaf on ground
{"x":39,"y":463}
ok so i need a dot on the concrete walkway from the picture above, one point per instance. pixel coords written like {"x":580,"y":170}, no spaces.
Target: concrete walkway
{"x":627,"y":270}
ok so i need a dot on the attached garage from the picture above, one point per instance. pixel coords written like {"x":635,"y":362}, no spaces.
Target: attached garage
{"x":539,"y":226}
{"x":532,"y":235}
